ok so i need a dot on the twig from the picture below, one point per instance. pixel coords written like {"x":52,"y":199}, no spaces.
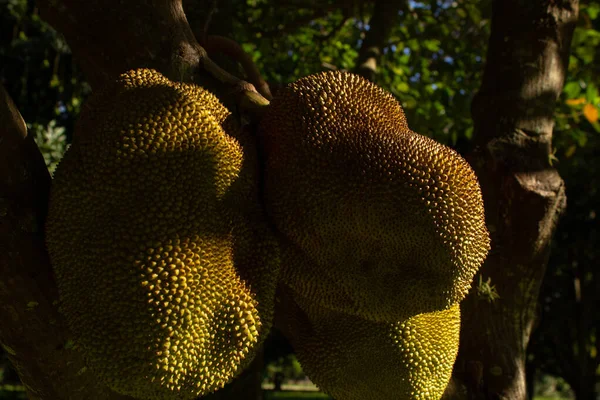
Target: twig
{"x":385,"y":16}
{"x":232,"y":49}
{"x":248,"y":97}
{"x":212,"y":11}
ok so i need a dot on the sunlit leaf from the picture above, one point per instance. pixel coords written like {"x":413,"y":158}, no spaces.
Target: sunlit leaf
{"x":591,"y":112}
{"x":575,"y":102}
{"x":593,"y":10}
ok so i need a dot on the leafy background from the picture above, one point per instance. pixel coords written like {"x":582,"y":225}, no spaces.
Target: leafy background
{"x":433,"y":64}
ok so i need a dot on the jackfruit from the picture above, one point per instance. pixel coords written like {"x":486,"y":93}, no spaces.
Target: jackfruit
{"x":164,"y":262}
{"x":351,"y":358}
{"x":389,"y":223}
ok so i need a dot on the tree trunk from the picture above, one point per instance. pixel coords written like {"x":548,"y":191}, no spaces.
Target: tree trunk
{"x":523,"y":194}
{"x":109,"y":37}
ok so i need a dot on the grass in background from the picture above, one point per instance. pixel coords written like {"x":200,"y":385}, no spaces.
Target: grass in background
{"x":12,"y":392}
{"x":293,"y":395}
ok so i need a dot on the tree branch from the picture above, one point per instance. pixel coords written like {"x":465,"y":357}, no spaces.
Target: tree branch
{"x":109,"y":37}
{"x":385,"y":16}
{"x":229,"y":47}
{"x":32,"y":331}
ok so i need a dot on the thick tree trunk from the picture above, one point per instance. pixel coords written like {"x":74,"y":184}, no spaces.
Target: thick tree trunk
{"x":523,"y":194}
{"x":109,"y":37}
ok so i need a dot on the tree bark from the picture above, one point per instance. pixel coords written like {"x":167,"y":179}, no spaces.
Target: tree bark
{"x":524,"y":196}
{"x":385,"y":17}
{"x":109,"y":37}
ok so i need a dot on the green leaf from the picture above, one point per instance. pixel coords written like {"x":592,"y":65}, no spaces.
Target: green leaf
{"x":432,"y":45}
{"x":572,"y":89}
{"x":593,"y":10}
{"x":591,"y":93}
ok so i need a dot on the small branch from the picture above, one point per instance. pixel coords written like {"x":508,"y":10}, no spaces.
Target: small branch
{"x":230,"y":48}
{"x":248,"y":99}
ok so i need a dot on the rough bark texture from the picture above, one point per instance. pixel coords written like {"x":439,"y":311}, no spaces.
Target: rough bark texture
{"x":385,"y":17}
{"x":523,"y":194}
{"x":109,"y":37}
{"x":32,"y":331}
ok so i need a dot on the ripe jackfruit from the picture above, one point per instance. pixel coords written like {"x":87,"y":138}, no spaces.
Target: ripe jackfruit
{"x":165,"y":267}
{"x":351,"y":358}
{"x":384,"y":223}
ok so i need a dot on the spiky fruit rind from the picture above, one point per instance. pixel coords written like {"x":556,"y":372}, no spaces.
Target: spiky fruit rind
{"x":165,"y":269}
{"x":351,"y":358}
{"x":381,"y":222}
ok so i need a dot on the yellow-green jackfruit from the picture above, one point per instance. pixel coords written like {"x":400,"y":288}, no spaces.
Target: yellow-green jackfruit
{"x":351,"y":358}
{"x":385,"y":223}
{"x":165,"y":267}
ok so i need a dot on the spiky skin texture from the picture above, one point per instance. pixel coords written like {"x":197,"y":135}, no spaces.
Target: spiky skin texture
{"x":351,"y":358}
{"x":380,"y":222}
{"x":165,"y":267}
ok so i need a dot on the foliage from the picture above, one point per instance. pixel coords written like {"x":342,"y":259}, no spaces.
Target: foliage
{"x":550,"y":387}
{"x":37,"y":69}
{"x":486,"y":290}
{"x":288,"y":366}
{"x":296,"y":396}
{"x":433,"y":62}
{"x":12,"y":392}
{"x":51,"y":140}
{"x":577,"y":113}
